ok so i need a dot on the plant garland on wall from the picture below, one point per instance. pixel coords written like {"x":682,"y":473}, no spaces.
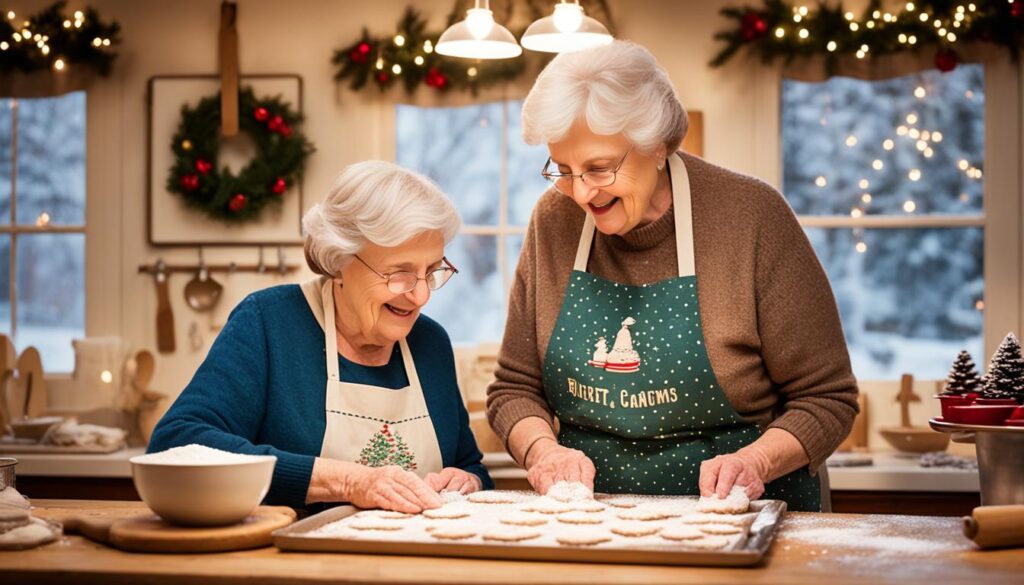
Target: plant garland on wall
{"x":787,"y":31}
{"x":51,"y":40}
{"x":281,"y":153}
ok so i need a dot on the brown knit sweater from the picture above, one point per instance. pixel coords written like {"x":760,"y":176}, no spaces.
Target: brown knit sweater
{"x":770,"y":321}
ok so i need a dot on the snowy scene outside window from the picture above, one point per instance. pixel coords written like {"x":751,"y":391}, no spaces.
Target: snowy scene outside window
{"x":886,"y":177}
{"x":42,"y":225}
{"x":478,"y":158}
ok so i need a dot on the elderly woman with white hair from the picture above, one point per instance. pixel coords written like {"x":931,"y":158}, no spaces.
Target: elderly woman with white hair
{"x":380,"y":422}
{"x":618,"y":369}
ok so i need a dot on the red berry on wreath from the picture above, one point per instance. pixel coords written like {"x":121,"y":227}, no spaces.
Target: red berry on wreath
{"x":753,"y":26}
{"x":190,"y":182}
{"x":275,"y":123}
{"x":280,"y":186}
{"x":382,"y":77}
{"x":285,"y":130}
{"x":946,"y":60}
{"x":1017,"y":9}
{"x":238,"y":203}
{"x":203,"y":166}
{"x":261,"y":114}
{"x":364,"y":47}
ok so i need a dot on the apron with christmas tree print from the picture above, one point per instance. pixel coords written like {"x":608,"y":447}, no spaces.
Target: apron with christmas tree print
{"x":371,"y":425}
{"x":648,"y":410}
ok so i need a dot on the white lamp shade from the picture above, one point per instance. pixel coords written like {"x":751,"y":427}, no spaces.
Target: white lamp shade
{"x":543,"y":35}
{"x":458,"y":41}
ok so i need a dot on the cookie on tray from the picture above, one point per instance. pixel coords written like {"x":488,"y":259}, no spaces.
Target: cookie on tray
{"x":736,"y":502}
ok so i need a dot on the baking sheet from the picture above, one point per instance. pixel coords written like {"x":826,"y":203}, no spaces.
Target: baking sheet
{"x":745,"y":552}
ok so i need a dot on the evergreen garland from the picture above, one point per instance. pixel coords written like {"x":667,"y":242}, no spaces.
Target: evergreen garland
{"x":281,"y":153}
{"x":784,"y":30}
{"x":1005,"y":377}
{"x":374,"y":60}
{"x":55,"y":41}
{"x":963,"y":377}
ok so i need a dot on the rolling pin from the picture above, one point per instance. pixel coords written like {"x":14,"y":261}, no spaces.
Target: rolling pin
{"x":996,"y":526}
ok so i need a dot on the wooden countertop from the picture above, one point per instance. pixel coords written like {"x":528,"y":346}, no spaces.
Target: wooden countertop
{"x":810,"y":549}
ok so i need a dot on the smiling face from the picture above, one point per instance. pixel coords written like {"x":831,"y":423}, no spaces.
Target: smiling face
{"x":368,"y":313}
{"x":640,"y":193}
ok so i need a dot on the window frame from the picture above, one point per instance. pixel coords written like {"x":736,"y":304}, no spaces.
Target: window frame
{"x":15,"y":230}
{"x":1001,"y":219}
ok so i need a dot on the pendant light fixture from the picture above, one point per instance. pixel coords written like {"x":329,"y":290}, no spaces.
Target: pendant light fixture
{"x":567,"y":29}
{"x":478,"y":36}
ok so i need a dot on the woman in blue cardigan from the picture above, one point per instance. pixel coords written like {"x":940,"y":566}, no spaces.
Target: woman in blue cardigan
{"x":380,"y":422}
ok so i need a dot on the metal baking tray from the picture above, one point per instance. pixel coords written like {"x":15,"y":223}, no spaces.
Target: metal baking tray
{"x":743,"y":553}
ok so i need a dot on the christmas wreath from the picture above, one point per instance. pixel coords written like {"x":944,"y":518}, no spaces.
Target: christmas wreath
{"x":783,"y":30}
{"x":281,"y":153}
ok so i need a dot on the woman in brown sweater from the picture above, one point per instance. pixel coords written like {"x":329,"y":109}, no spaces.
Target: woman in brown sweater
{"x":661,"y":385}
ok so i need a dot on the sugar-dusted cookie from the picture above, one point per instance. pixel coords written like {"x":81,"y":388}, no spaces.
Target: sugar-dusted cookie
{"x":493,"y":497}
{"x":385,"y":515}
{"x":519,"y":518}
{"x":546,"y":505}
{"x":578,"y":517}
{"x":582,"y":537}
{"x":589,"y":506}
{"x":454,"y":531}
{"x":372,"y":524}
{"x":706,"y":542}
{"x":681,"y":532}
{"x":634,"y":529}
{"x":724,"y":529}
{"x":511,"y":534}
{"x":448,"y":512}
{"x":736,"y":502}
{"x":645,"y":513}
{"x":564,"y":491}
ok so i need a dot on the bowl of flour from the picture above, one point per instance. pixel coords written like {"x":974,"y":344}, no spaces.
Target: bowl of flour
{"x":195,"y":485}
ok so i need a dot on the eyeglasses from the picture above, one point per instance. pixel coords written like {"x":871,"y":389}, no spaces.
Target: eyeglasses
{"x":593,"y":178}
{"x":403,"y":282}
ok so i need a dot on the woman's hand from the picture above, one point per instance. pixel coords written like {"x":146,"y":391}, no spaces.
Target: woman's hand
{"x":389,"y":488}
{"x":719,"y":474}
{"x":548,"y":463}
{"x":453,"y":479}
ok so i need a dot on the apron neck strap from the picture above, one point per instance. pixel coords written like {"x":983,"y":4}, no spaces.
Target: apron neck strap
{"x":331,"y":342}
{"x":683,"y":216}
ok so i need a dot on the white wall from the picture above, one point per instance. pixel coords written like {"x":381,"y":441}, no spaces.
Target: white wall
{"x":739,"y":105}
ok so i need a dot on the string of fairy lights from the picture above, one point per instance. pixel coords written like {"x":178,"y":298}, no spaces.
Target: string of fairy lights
{"x":51,"y":40}
{"x":925,"y":142}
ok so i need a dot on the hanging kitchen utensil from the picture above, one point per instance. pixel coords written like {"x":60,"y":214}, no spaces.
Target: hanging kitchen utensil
{"x":261,"y":267}
{"x":31,"y":383}
{"x":282,"y":267}
{"x":164,"y":315}
{"x":202,"y":292}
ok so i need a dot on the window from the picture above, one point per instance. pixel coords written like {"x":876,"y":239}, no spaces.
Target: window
{"x":476,"y":155}
{"x":42,"y":225}
{"x":887,"y":179}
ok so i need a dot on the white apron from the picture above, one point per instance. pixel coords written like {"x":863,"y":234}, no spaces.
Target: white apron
{"x":372,"y":425}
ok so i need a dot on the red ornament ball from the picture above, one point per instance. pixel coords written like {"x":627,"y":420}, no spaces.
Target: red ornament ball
{"x":1017,"y":9}
{"x":275,"y":123}
{"x":946,"y":60}
{"x":190,"y":182}
{"x":261,"y":114}
{"x":436,"y":79}
{"x":382,"y":77}
{"x":280,"y":186}
{"x":285,"y":130}
{"x":363,"y":47}
{"x":238,"y":203}
{"x":753,"y":26}
{"x":203,"y":166}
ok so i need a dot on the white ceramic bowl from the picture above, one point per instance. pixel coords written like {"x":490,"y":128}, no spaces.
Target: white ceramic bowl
{"x":193,"y":494}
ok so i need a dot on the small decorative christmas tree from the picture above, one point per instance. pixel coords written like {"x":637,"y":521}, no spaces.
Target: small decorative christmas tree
{"x":385,"y":448}
{"x":963,"y":377}
{"x":1005,"y":377}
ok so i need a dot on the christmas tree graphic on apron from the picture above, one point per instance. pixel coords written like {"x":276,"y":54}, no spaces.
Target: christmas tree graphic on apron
{"x":386,"y":448}
{"x":650,"y":410}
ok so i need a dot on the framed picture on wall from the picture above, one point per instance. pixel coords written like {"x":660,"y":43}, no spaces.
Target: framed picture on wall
{"x":170,"y":222}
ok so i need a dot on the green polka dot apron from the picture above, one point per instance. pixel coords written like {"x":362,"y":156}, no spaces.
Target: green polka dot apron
{"x":628,"y":375}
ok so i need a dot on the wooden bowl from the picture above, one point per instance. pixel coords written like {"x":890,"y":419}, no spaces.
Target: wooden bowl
{"x":34,"y":428}
{"x":915,"y":439}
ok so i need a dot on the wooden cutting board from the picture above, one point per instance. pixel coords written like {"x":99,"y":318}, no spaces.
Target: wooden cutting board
{"x":139,"y":530}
